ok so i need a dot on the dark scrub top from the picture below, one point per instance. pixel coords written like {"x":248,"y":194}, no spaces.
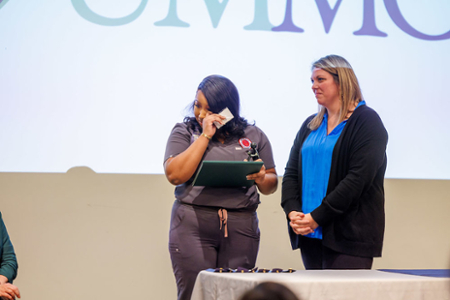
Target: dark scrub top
{"x":241,"y":198}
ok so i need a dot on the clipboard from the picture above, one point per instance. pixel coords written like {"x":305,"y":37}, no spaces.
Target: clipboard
{"x":226,"y":173}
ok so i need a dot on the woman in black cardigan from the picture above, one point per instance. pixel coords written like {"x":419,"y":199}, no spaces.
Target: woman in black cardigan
{"x":332,"y":191}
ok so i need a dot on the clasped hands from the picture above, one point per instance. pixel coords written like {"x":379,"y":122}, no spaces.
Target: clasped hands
{"x":302,"y":223}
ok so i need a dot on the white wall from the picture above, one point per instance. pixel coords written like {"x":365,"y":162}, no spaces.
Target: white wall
{"x":83,"y":235}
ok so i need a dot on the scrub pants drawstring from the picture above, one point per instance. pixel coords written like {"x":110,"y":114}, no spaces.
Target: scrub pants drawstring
{"x":223,"y":216}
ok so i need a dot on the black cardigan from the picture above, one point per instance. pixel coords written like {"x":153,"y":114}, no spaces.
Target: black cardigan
{"x":352,"y":212}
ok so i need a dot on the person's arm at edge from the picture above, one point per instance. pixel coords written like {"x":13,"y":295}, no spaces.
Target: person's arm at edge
{"x":8,"y":265}
{"x":8,"y":260}
{"x":9,"y":291}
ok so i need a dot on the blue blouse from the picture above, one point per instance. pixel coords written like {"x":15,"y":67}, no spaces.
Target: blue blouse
{"x":317,"y":152}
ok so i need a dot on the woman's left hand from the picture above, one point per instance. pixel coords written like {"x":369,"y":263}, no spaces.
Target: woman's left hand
{"x":258,"y":177}
{"x":266,"y":179}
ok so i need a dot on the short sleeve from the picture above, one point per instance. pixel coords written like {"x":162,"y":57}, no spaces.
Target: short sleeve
{"x":179,"y":140}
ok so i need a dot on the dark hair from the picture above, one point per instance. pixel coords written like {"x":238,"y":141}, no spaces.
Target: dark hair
{"x":269,"y":291}
{"x":220,"y":93}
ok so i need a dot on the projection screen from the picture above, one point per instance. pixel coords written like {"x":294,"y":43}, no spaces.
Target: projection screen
{"x":101,"y":83}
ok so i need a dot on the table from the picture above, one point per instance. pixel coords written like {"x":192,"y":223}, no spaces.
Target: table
{"x":326,"y":285}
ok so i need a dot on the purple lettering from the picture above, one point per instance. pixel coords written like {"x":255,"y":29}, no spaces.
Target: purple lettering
{"x":288,"y":24}
{"x":396,"y":16}
{"x":327,"y":13}
{"x":369,"y":27}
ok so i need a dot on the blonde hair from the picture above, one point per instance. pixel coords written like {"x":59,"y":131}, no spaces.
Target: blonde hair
{"x":345,"y":78}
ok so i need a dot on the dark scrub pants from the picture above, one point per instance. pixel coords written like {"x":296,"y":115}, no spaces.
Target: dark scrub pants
{"x":196,"y":243}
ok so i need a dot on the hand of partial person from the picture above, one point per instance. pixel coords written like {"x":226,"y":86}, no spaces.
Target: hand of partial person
{"x":208,"y":123}
{"x":301,"y":223}
{"x":258,"y":177}
{"x":9,"y":291}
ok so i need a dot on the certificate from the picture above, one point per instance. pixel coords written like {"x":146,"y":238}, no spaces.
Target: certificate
{"x":226,"y":173}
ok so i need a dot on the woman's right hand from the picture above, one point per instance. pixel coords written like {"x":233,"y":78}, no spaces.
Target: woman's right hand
{"x":208,"y":123}
{"x":9,"y":291}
